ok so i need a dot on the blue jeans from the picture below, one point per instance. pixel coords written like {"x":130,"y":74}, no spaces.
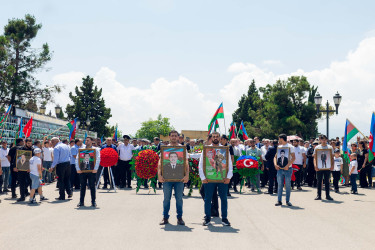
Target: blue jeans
{"x":6,"y":172}
{"x":167,"y":189}
{"x":46,"y":173}
{"x":208,"y":193}
{"x":353,"y":181}
{"x":281,"y":176}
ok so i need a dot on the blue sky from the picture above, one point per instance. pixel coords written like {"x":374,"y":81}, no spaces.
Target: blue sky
{"x":141,"y":44}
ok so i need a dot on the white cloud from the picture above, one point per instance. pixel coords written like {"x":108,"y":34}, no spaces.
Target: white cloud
{"x":272,"y":62}
{"x":353,"y":77}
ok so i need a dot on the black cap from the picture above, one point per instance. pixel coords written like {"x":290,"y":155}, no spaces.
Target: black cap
{"x":126,"y":137}
{"x":224,"y":137}
{"x":337,"y":150}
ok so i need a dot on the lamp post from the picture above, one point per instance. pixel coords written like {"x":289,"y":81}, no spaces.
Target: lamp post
{"x":88,"y":122}
{"x":318,"y":101}
{"x":42,"y":109}
{"x":57,"y":110}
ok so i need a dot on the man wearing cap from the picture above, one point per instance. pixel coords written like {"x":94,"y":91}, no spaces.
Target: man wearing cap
{"x":125,"y":153}
{"x":89,"y":176}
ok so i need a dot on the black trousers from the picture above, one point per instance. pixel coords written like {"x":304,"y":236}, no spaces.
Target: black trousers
{"x":116,"y":174}
{"x":84,"y":178}
{"x":336,"y":178}
{"x":74,"y":178}
{"x":214,"y":202}
{"x":362,"y":176}
{"x":320,"y":174}
{"x":299,"y":175}
{"x":125,"y":175}
{"x":105,"y":175}
{"x":63,"y":181}
{"x":264,"y":177}
{"x":311,"y":176}
{"x":272,"y":172}
{"x":23,"y":180}
{"x":235,"y":180}
{"x":13,"y":184}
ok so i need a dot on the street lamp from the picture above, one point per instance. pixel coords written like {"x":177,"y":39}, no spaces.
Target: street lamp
{"x":42,"y":109}
{"x":318,"y":101}
{"x":57,"y":110}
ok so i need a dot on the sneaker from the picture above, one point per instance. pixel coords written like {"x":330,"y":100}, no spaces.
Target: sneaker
{"x":299,"y":188}
{"x":70,"y":195}
{"x":336,"y":191}
{"x":60,"y":199}
{"x":279,"y":203}
{"x":93,"y":204}
{"x":32,"y":201}
{"x":81,"y":204}
{"x":14,"y":196}
{"x":206,"y":222}
{"x":289,"y":204}
{"x":318,"y":198}
{"x":43,"y":199}
{"x":229,"y":195}
{"x":225,"y":222}
{"x":21,"y":199}
{"x":130,"y":187}
{"x":180,"y":221}
{"x":164,"y":221}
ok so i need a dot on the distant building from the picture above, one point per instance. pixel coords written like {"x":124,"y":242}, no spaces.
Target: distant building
{"x":42,"y":126}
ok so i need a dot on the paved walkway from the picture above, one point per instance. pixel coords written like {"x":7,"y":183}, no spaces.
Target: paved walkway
{"x":126,"y":220}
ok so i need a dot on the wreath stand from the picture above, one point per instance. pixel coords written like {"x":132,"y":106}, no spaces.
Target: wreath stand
{"x":111,"y":179}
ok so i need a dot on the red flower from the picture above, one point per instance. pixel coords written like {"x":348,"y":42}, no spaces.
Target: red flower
{"x":146,"y":164}
{"x":108,"y":157}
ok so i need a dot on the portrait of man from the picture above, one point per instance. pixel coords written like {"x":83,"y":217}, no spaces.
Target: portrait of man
{"x":215,"y":163}
{"x":23,"y":160}
{"x":323,"y":158}
{"x":282,"y":159}
{"x":173,"y":168}
{"x":87,"y":159}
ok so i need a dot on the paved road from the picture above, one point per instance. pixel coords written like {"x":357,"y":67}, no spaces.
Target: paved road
{"x":126,"y":220}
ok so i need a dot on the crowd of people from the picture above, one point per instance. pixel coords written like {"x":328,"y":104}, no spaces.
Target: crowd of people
{"x":57,"y":160}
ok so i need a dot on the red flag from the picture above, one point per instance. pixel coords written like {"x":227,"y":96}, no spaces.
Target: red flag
{"x":28,"y":127}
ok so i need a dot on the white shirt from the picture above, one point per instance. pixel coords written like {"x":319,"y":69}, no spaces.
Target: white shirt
{"x":34,"y":162}
{"x":299,"y":151}
{"x":125,"y":152}
{"x":338,"y":162}
{"x":201,"y":172}
{"x":47,"y":154}
{"x":263,"y":150}
{"x":3,"y":157}
{"x":354,"y":164}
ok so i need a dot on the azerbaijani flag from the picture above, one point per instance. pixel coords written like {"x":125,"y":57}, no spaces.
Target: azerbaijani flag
{"x":350,"y":132}
{"x":84,"y":140}
{"x":115,"y":134}
{"x":218,"y":114}
{"x":5,"y":116}
{"x":232,"y":131}
{"x":72,"y":129}
{"x":101,"y":139}
{"x":371,"y":154}
{"x":213,"y":126}
{"x":19,"y":131}
{"x":242,"y":131}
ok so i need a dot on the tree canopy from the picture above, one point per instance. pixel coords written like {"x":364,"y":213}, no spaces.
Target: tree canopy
{"x":19,"y":62}
{"x":284,"y":107}
{"x":89,"y":103}
{"x":154,"y":128}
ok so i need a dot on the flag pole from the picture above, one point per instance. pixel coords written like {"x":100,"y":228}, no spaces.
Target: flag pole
{"x":225,"y":128}
{"x":55,"y":131}
{"x":357,"y":129}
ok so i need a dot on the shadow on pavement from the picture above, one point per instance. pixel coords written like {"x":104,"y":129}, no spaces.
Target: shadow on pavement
{"x":86,"y":208}
{"x":293,"y":207}
{"x":59,"y":201}
{"x":177,"y":228}
{"x":334,"y":201}
{"x":148,"y":194}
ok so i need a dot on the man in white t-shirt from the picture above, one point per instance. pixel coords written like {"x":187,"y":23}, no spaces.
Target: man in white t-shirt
{"x":320,"y":173}
{"x":47,"y":162}
{"x":284,"y":172}
{"x":5,"y":166}
{"x":300,"y":161}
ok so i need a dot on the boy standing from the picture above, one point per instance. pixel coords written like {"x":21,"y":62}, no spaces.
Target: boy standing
{"x":337,"y":169}
{"x":36,"y":176}
{"x":353,"y":172}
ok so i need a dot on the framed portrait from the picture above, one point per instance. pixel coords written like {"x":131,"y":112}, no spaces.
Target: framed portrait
{"x":23,"y":159}
{"x":173,"y":163}
{"x":323,"y":159}
{"x":215,"y":163}
{"x":283,"y":156}
{"x":87,"y":159}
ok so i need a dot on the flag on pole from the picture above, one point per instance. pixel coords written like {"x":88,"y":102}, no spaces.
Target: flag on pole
{"x":72,"y":129}
{"x":232,"y":131}
{"x":350,"y":132}
{"x":242,"y":131}
{"x":213,"y":126}
{"x":115,"y":134}
{"x":5,"y":116}
{"x":28,"y":127}
{"x":19,"y":131}
{"x":371,"y":154}
{"x":101,"y":139}
{"x":84,"y":140}
{"x":219,"y":114}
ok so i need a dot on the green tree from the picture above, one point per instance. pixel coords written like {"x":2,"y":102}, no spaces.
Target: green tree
{"x":110,"y":130}
{"x":19,"y":62}
{"x":154,"y":128}
{"x":89,"y":103}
